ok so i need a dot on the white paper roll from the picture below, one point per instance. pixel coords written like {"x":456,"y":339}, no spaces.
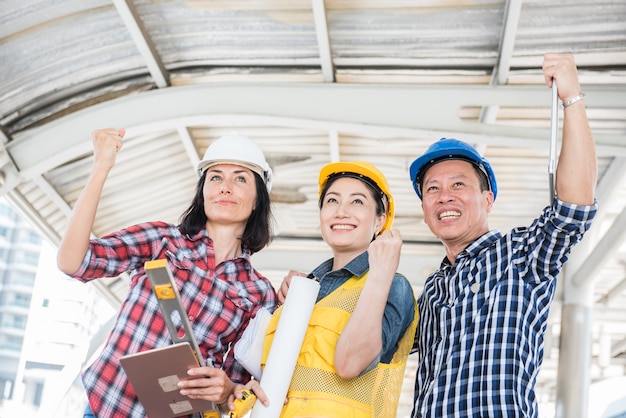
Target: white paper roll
{"x":283,"y":354}
{"x":249,"y":348}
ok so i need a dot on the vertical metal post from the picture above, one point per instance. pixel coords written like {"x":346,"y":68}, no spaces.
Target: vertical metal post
{"x":573,"y":376}
{"x":572,"y":390}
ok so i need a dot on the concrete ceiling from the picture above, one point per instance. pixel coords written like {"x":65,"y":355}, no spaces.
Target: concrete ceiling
{"x":313,"y":82}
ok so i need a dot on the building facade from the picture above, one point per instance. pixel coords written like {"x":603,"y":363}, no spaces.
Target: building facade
{"x":48,"y":324}
{"x":19,"y":257}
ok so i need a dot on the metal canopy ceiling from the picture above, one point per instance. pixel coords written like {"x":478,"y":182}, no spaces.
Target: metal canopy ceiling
{"x":312,"y":82}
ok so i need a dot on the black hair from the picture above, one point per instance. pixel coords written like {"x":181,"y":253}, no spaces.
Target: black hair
{"x":258,"y":231}
{"x":480,"y":172}
{"x":378,"y":195}
{"x":482,"y":178}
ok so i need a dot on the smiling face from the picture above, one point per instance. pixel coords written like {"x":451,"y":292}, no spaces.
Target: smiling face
{"x":348,"y":217}
{"x":229,"y":194}
{"x":455,"y":208}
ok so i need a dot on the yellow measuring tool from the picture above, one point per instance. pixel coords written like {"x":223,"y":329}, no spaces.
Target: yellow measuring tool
{"x":243,"y":405}
{"x":167,"y":295}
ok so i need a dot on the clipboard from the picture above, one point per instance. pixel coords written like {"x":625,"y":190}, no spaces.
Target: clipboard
{"x":148,"y":371}
{"x":154,"y":375}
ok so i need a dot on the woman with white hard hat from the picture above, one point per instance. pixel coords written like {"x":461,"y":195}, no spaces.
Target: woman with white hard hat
{"x":354,"y":353}
{"x":209,"y":255}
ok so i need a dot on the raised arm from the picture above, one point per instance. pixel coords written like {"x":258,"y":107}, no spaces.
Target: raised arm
{"x":577,"y":170}
{"x":106,"y":144}
{"x":361,"y":339}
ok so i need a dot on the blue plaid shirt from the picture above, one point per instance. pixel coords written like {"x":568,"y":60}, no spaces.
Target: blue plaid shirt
{"x":483,"y":318}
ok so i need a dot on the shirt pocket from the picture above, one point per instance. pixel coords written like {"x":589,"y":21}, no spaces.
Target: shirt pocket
{"x":179,"y":260}
{"x":243,"y":295}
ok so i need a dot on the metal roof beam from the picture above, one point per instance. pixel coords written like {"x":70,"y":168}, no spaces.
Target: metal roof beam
{"x":500,"y":73}
{"x":190,"y":147}
{"x":323,"y":41}
{"x":333,"y":144}
{"x":618,"y":348}
{"x":142,"y":40}
{"x":615,"y":292}
{"x":405,"y":111}
{"x":509,"y":34}
{"x":34,"y":217}
{"x":605,"y":248}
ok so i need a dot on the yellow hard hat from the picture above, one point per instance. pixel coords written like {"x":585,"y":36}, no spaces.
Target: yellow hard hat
{"x":365,"y":172}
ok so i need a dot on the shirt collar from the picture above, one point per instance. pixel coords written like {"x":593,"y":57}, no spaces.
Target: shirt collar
{"x":485,"y":240}
{"x":472,"y":250}
{"x":357,"y":267}
{"x":203,"y":234}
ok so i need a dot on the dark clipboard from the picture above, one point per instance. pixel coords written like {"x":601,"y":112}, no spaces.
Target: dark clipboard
{"x":154,"y":375}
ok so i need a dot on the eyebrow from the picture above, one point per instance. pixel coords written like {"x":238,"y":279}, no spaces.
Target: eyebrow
{"x":351,"y":194}
{"x":237,"y":171}
{"x":452,"y":177}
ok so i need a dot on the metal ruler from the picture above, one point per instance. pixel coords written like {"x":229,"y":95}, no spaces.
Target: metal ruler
{"x":171,"y":305}
{"x":554,"y":127}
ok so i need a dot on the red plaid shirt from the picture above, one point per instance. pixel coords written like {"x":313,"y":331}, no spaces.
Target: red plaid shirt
{"x":219,"y":300}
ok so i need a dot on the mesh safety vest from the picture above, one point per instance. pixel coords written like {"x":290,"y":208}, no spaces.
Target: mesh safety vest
{"x":315,"y":389}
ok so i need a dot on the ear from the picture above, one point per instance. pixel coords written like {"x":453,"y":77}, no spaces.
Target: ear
{"x":380,"y":222}
{"x":489,"y":199}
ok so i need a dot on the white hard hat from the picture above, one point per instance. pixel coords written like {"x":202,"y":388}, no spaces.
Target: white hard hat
{"x":239,"y":150}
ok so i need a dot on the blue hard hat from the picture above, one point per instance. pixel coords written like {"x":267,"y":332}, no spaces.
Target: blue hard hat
{"x":450,"y":149}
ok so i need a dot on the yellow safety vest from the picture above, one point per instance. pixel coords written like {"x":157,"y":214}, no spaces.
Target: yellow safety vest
{"x":316,"y":390}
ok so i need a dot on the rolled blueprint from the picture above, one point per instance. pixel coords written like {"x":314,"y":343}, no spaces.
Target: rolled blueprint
{"x":249,"y":348}
{"x":283,"y":354}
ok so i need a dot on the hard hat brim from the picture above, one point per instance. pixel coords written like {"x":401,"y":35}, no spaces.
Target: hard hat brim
{"x":363,"y":169}
{"x":449,"y":149}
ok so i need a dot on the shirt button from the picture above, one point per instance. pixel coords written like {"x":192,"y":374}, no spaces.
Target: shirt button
{"x":439,"y":339}
{"x":432,"y":377}
{"x":191,"y":317}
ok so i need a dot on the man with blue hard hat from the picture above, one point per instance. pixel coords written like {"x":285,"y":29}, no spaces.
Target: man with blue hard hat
{"x":452,"y":149}
{"x":484,"y":312}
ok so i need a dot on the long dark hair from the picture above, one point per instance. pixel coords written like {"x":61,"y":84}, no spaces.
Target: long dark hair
{"x":258,"y":231}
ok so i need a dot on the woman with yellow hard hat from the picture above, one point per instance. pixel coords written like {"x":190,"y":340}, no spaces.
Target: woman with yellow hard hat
{"x":362,"y":327}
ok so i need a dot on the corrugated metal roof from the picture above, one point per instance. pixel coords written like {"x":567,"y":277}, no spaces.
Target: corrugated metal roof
{"x":311,"y":82}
